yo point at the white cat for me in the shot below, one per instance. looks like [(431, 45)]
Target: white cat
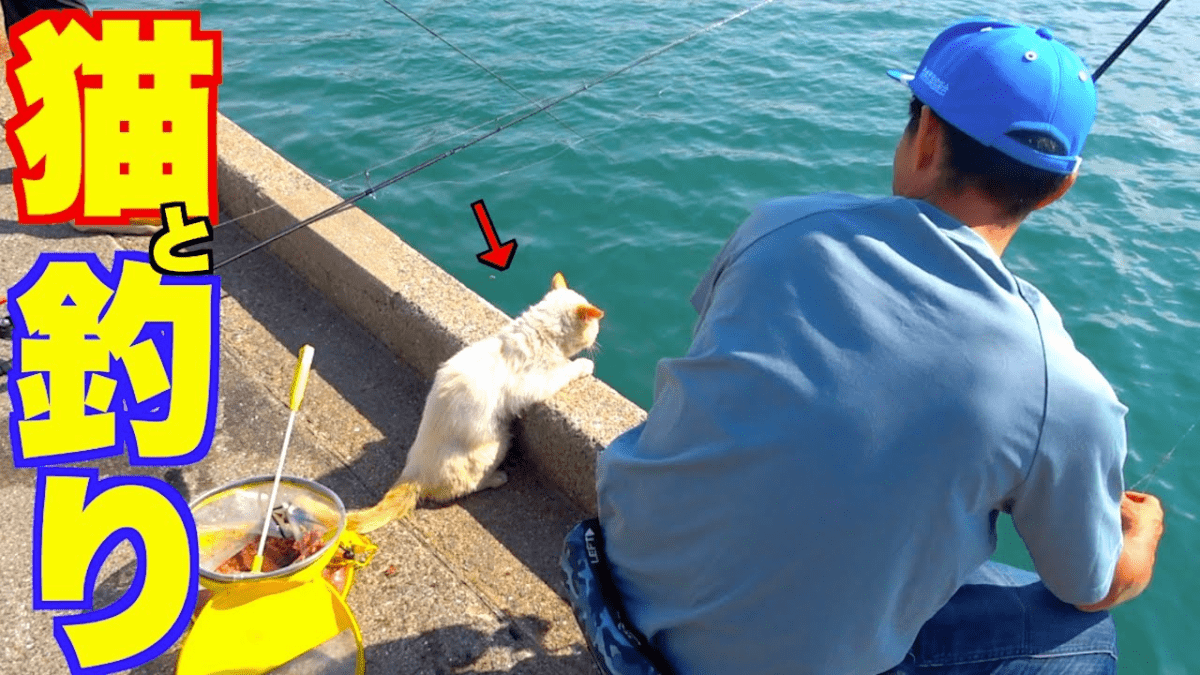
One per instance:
[(464, 431)]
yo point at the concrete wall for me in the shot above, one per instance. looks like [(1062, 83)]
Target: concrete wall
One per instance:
[(420, 312)]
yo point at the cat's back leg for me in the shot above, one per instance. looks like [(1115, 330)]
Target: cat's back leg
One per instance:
[(465, 472), (493, 480)]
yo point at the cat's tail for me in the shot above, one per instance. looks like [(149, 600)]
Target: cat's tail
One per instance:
[(397, 503)]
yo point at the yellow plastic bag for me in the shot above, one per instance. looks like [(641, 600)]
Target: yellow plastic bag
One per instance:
[(289, 621), (251, 627)]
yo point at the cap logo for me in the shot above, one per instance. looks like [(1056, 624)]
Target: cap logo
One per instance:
[(935, 83)]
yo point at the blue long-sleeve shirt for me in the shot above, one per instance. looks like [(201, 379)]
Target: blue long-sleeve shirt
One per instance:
[(868, 386)]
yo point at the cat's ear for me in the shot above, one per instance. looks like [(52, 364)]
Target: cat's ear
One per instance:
[(586, 312), (558, 282)]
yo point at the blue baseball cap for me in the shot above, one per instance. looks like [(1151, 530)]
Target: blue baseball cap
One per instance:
[(990, 78)]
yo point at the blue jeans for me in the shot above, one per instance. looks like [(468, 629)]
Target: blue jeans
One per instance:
[(1004, 621)]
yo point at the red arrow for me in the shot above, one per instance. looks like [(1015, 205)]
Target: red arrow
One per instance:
[(498, 255)]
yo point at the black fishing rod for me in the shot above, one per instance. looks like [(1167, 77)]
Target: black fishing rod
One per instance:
[(1129, 39), (347, 203)]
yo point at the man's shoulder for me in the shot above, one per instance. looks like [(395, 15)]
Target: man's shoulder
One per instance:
[(812, 212), (786, 210), (801, 206)]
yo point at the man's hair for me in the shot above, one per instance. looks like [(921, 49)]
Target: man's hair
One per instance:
[(1016, 187)]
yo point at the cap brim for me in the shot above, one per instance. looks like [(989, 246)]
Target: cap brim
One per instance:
[(901, 76)]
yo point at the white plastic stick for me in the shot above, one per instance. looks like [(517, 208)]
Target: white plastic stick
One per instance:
[(299, 381)]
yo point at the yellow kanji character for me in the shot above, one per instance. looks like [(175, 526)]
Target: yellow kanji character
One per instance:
[(146, 131), (79, 519), (72, 321)]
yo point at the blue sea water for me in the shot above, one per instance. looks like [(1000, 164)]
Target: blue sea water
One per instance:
[(634, 186)]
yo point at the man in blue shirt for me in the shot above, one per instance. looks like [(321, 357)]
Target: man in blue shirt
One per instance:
[(816, 487)]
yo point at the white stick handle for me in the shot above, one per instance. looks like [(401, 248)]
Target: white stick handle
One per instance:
[(262, 540), (299, 380)]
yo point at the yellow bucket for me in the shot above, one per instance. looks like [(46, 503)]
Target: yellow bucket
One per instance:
[(286, 620)]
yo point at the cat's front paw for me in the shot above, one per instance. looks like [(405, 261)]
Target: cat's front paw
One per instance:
[(583, 367)]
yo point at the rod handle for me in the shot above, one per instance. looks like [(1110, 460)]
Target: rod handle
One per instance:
[(300, 380)]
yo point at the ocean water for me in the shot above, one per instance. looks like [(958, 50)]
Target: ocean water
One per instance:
[(633, 185)]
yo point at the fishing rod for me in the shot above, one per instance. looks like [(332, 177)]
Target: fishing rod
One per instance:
[(350, 201), (1129, 39)]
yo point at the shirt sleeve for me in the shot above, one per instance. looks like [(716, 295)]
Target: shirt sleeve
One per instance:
[(1068, 509)]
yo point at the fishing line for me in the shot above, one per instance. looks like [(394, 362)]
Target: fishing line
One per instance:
[(1096, 76), (487, 70), (1165, 457), (349, 202), (504, 172)]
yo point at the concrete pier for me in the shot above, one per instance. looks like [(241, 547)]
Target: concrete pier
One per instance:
[(469, 588)]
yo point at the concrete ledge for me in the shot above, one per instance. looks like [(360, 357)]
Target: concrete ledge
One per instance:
[(419, 311)]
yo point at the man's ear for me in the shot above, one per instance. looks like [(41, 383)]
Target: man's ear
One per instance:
[(1062, 190), (924, 156), (928, 141)]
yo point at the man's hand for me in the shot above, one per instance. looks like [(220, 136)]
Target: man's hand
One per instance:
[(1142, 525), (1141, 515)]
